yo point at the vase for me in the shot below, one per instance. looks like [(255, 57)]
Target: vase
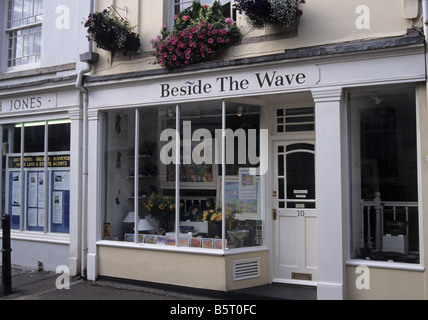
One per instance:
[(214, 230), (164, 227)]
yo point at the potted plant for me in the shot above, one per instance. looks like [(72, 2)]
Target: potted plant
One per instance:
[(214, 218), (261, 13), (200, 34), (111, 33)]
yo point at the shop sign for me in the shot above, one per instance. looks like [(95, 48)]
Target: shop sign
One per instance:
[(28, 103), (242, 83), (56, 161)]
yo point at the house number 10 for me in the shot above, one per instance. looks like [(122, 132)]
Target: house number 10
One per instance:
[(300, 213)]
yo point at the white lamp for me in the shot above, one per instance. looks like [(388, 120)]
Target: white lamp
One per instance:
[(129, 218), (144, 225)]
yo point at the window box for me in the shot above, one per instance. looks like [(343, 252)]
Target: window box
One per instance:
[(200, 34), (112, 33), (262, 13)]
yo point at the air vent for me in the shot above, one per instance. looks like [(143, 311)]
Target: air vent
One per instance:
[(246, 269)]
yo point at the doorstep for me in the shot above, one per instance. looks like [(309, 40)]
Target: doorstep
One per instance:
[(277, 291)]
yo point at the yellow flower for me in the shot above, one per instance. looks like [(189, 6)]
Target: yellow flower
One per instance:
[(161, 207), (206, 213)]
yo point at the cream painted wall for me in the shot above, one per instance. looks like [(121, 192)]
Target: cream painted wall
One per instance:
[(323, 22), (177, 268), (387, 285)]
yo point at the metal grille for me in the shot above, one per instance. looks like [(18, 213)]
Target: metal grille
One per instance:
[(246, 269)]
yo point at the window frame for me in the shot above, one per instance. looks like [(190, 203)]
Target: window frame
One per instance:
[(15, 29), (356, 262), (47, 172), (176, 110)]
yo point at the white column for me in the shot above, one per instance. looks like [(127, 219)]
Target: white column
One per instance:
[(93, 228), (75, 190), (329, 192)]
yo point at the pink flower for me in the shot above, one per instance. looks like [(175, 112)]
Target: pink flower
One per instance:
[(230, 21), (210, 40)]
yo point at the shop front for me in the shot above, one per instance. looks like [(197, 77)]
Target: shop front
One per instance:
[(40, 155), (265, 170)]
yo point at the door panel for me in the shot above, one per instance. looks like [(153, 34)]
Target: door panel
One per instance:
[(295, 227)]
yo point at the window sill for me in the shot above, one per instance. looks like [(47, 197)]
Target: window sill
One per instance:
[(35, 70), (62, 239), (386, 265), (173, 249)]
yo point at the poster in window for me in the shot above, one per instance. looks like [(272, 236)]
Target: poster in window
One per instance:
[(16, 188), (57, 209), (32, 217), (62, 180), (32, 190), (248, 208), (247, 184)]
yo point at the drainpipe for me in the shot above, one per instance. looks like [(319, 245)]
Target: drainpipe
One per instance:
[(89, 58), (425, 22), (425, 17)]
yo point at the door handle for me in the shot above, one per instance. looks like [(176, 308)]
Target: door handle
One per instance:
[(274, 214)]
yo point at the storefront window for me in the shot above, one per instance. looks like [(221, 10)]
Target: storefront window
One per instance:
[(385, 212), (180, 184), (37, 193), (136, 194), (242, 185)]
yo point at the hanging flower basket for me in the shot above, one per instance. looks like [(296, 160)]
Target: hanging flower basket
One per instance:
[(261, 13), (111, 33), (200, 34)]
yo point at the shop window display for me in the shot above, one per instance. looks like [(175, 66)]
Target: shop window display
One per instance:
[(37, 193), (193, 205), (385, 211)]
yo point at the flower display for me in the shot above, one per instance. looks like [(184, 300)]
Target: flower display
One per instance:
[(216, 215), (161, 208), (111, 33), (213, 215), (200, 33), (265, 12)]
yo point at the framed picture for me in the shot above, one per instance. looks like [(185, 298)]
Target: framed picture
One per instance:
[(196, 242), (193, 175), (207, 243), (106, 230), (243, 193)]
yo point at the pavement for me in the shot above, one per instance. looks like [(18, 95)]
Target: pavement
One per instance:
[(28, 284), (42, 285)]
